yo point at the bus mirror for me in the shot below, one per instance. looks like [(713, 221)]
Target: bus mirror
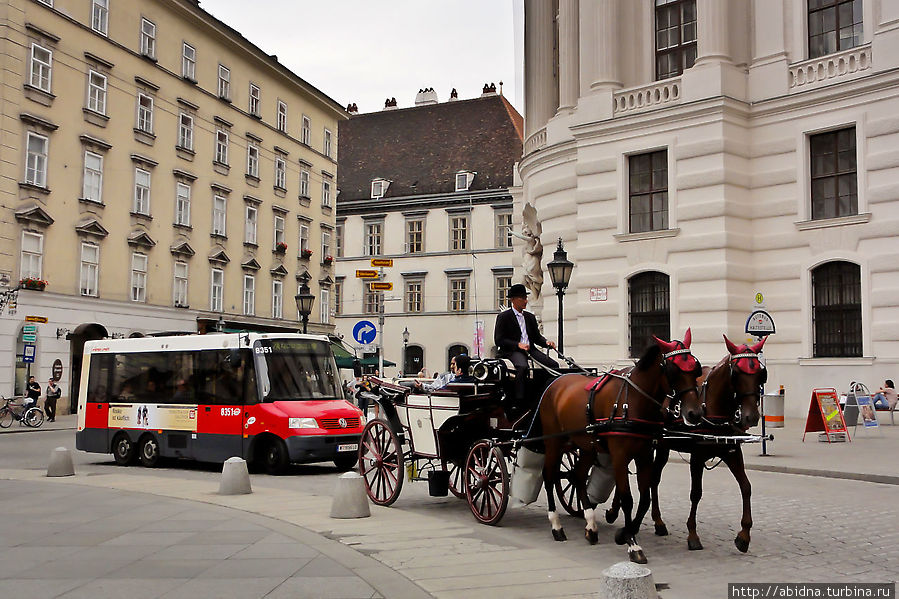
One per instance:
[(357, 368)]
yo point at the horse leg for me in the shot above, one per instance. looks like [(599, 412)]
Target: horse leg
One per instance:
[(658, 465), (612, 512), (697, 464), (620, 460), (734, 461), (581, 472), (645, 476), (551, 461)]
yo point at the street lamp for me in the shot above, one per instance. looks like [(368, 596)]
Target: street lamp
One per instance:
[(405, 357), (304, 301), (560, 268)]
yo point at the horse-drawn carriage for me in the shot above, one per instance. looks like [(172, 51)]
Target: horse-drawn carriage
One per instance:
[(463, 437)]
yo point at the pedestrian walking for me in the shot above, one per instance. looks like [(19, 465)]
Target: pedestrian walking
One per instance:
[(53, 393)]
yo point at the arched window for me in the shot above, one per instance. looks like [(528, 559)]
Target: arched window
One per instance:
[(837, 310), (649, 312), (414, 360), (453, 351)]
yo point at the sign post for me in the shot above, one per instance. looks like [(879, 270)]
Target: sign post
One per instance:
[(760, 324), (380, 287)]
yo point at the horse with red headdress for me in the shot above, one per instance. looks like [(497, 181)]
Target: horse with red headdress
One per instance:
[(620, 413), (730, 393)]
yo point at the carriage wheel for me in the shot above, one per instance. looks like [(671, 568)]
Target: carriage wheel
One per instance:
[(456, 479), (566, 490), (486, 482), (381, 463)]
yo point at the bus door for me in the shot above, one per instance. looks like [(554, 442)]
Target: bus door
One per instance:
[(224, 377)]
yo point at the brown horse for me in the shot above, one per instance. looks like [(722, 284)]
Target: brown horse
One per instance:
[(622, 417), (730, 398)]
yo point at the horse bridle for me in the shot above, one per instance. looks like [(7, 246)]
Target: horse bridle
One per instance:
[(738, 413), (674, 403)]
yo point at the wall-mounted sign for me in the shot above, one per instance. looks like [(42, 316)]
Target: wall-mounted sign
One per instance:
[(382, 262), (760, 323), (28, 353), (366, 274), (599, 294), (57, 370), (29, 328), (381, 286), (29, 337), (41, 319)]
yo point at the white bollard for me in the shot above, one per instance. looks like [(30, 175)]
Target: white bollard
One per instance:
[(627, 580), (61, 463), (350, 499), (235, 478)]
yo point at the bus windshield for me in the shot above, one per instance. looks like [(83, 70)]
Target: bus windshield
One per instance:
[(296, 369)]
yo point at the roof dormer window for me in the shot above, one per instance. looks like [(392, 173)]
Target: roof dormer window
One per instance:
[(379, 188), (463, 180)]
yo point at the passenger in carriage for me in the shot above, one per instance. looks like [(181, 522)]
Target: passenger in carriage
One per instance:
[(459, 368), (516, 335)]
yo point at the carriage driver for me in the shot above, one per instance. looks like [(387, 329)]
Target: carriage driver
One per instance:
[(516, 335)]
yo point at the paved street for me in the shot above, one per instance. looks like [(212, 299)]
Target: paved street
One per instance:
[(807, 528)]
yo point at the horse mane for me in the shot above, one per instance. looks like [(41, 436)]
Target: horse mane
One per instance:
[(650, 357)]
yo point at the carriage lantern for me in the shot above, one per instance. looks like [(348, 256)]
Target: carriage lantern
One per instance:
[(304, 301), (560, 268)]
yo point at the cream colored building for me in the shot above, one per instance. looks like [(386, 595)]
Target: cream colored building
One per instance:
[(153, 160), (695, 153), (428, 187)]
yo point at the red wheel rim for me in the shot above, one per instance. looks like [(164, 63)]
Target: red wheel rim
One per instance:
[(456, 480), (487, 483), (381, 463)]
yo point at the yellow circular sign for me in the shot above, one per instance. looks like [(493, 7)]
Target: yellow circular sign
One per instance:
[(759, 298)]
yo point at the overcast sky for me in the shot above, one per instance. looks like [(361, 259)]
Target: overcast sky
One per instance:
[(365, 51)]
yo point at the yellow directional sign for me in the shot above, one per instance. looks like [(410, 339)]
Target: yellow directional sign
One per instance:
[(42, 319), (381, 262), (366, 274), (381, 286)]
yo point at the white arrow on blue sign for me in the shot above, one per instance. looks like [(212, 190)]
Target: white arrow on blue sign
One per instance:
[(364, 332)]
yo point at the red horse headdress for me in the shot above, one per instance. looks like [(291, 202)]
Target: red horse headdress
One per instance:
[(745, 358), (679, 352)]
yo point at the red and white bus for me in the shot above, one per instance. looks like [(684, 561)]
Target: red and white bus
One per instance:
[(271, 399)]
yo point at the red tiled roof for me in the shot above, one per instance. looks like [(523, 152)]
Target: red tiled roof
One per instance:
[(420, 149)]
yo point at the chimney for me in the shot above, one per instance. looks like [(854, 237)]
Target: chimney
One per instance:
[(390, 104), (352, 108), (454, 95), (426, 96), (489, 90)]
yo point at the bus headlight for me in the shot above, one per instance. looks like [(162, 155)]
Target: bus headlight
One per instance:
[(302, 423)]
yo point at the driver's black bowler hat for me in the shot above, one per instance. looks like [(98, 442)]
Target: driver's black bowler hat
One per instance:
[(518, 290)]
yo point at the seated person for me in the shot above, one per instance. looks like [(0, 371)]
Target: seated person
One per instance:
[(458, 374), (885, 398)]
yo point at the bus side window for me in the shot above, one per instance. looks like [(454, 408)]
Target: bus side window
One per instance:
[(99, 378), (250, 391)]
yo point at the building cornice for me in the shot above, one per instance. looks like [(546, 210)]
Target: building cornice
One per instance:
[(422, 202)]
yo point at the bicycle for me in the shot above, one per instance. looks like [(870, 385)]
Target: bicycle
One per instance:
[(33, 416)]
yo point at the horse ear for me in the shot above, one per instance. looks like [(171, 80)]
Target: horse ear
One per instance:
[(758, 346), (733, 349), (666, 346), (688, 337)]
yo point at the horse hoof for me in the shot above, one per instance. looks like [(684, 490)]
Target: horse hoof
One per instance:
[(638, 557), (620, 537), (592, 536), (742, 545), (661, 530), (559, 535), (694, 545), (611, 516)]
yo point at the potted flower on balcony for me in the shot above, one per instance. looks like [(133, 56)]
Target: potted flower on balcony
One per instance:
[(33, 283), (280, 247), (305, 253), (328, 260)]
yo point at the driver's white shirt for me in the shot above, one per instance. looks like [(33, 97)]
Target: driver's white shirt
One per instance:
[(521, 324)]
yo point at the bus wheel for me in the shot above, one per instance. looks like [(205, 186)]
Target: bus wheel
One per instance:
[(123, 449), (345, 462), (149, 451), (274, 457)]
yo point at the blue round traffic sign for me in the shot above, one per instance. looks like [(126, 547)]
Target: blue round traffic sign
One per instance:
[(364, 332)]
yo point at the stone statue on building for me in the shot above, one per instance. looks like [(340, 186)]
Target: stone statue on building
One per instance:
[(533, 250)]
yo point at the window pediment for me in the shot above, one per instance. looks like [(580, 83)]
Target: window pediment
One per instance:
[(38, 122), (182, 249), (94, 143), (279, 271), (33, 214), (91, 226), (218, 255), (250, 264), (140, 238)]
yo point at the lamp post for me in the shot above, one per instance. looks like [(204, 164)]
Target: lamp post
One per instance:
[(560, 268), (304, 301), (405, 344)]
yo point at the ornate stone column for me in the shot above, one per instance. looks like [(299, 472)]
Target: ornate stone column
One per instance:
[(569, 76), (607, 22), (540, 91), (712, 30)]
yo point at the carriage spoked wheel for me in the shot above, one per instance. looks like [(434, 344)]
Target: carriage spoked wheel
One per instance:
[(381, 463), (486, 479), (566, 490), (456, 479)]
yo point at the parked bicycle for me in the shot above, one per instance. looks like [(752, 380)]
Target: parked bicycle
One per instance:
[(33, 416)]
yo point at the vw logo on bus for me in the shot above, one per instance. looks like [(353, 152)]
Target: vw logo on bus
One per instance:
[(342, 422)]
